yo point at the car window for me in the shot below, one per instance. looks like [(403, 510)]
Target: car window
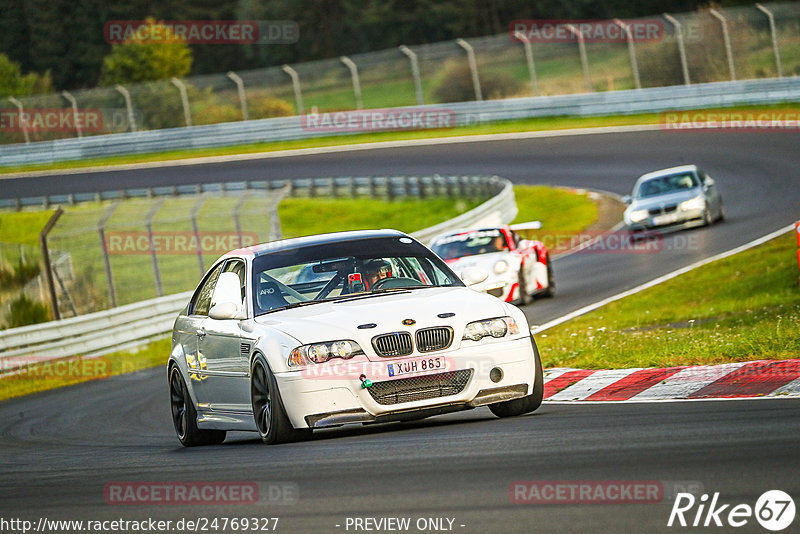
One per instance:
[(470, 244), (666, 184), (202, 298)]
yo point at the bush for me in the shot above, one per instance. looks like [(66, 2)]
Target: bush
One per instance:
[(21, 274), (456, 84), (268, 106), (24, 311)]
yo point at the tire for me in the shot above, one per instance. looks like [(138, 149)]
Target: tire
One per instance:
[(551, 281), (529, 403), (721, 217), (707, 217), (270, 416), (525, 298), (184, 415)]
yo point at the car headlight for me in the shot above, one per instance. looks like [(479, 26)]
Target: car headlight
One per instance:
[(501, 266), (696, 203), (498, 327), (638, 215), (322, 352)]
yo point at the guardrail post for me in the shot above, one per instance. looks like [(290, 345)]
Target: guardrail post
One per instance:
[(298, 95), (48, 268), (153, 255), (74, 104), (631, 52), (473, 67), (526, 43), (412, 57), (242, 94), (196, 231), (726, 38), (101, 231), (681, 47), (187, 114), (356, 83), (774, 35), (128, 105), (23, 123), (587, 78)]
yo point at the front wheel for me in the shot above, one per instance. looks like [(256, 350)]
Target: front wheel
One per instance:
[(525, 297), (184, 415), (551, 281), (530, 402), (270, 417)]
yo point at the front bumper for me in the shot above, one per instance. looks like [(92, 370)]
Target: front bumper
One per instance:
[(677, 220), (337, 397)]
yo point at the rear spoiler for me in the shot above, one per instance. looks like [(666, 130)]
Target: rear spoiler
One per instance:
[(533, 225)]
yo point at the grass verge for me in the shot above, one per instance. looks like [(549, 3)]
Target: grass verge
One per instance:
[(513, 126), (744, 307)]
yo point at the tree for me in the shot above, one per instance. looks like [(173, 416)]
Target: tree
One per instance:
[(141, 60), (14, 83)]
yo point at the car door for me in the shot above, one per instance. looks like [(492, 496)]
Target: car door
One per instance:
[(188, 328), (226, 382)]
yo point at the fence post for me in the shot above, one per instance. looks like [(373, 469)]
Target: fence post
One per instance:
[(153, 255), (298, 95), (127, 96), (242, 94), (631, 52), (48, 268), (774, 34), (526, 43), (727, 40), (74, 104), (22, 121), (681, 47), (196, 230), (412, 57), (101, 230), (473, 67), (187, 114), (356, 83), (587, 78), (236, 222)]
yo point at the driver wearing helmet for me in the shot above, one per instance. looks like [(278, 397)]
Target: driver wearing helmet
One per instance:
[(376, 270)]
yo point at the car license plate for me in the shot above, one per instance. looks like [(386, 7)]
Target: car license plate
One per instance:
[(665, 219), (416, 366)]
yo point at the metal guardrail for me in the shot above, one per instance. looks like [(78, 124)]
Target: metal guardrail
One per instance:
[(134, 324), (651, 100)]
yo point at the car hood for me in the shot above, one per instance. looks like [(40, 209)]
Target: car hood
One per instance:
[(668, 199), (329, 321)]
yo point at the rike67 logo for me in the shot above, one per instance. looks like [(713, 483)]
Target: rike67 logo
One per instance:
[(774, 510)]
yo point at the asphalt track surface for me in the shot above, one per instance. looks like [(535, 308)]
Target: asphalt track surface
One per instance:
[(60, 449)]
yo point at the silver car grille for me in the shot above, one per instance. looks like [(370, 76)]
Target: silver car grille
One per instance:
[(420, 387), (663, 209), (393, 344), (436, 338)]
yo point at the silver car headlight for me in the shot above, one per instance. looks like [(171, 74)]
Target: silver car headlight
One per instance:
[(638, 215), (498, 327), (501, 267), (696, 203), (322, 352)]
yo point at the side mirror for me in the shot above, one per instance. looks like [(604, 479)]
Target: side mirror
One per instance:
[(626, 199), (225, 310), (474, 275)]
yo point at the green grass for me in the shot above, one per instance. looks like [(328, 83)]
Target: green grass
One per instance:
[(50, 375), (522, 125), (561, 211), (741, 308)]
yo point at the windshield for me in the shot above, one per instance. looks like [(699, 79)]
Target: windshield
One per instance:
[(666, 184), (335, 271), (470, 244)]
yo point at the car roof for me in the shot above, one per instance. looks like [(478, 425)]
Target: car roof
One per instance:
[(311, 240), (667, 172)]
